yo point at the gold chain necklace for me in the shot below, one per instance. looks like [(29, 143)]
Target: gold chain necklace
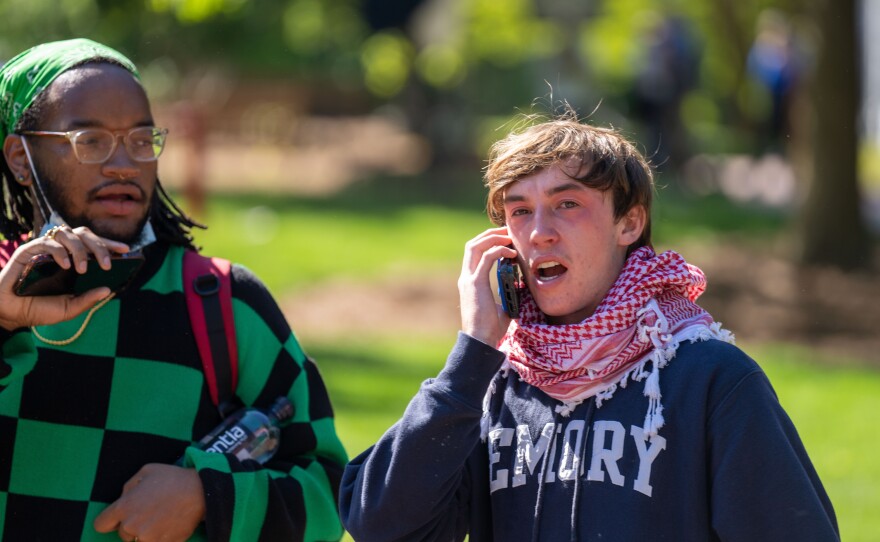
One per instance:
[(82, 328)]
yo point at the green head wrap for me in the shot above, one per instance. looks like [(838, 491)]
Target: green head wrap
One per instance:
[(28, 73)]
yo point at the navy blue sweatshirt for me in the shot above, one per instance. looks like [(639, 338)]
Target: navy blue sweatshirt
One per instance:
[(728, 464)]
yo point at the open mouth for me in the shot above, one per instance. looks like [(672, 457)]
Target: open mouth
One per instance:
[(550, 270), (119, 199), (116, 191)]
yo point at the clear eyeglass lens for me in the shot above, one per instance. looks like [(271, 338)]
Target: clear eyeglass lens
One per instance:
[(93, 146), (145, 143), (96, 145)]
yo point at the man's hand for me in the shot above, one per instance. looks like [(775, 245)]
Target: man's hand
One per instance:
[(68, 247), (481, 317), (160, 502)]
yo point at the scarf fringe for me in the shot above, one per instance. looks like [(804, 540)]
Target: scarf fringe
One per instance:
[(665, 348)]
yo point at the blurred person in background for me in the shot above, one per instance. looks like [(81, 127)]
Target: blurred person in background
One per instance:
[(612, 408), (775, 64), (669, 71), (101, 393)]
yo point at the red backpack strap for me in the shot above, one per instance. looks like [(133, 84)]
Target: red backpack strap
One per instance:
[(6, 250), (208, 289), (7, 247)]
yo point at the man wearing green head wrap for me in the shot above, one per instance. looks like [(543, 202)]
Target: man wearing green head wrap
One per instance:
[(103, 391)]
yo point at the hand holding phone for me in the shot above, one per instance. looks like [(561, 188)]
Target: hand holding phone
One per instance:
[(478, 298), (42, 276), (508, 278)]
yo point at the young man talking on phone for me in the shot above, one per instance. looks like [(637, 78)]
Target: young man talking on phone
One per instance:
[(613, 408), (101, 393)]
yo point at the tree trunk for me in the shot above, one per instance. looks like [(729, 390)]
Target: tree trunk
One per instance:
[(833, 231)]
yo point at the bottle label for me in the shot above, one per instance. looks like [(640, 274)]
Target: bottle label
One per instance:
[(228, 440)]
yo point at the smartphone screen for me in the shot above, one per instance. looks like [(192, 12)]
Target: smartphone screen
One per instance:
[(508, 277), (43, 276)]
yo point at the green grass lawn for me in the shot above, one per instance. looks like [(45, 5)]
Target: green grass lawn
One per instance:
[(371, 381), (290, 244), (834, 409), (293, 242)]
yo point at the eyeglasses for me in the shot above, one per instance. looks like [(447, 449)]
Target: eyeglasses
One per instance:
[(97, 145)]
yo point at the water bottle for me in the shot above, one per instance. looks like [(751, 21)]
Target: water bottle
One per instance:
[(249, 433)]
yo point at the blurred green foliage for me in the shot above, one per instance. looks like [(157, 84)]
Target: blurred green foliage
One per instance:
[(495, 56)]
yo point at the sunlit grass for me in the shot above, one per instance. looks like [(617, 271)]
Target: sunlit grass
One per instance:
[(834, 409), (373, 379), (292, 245)]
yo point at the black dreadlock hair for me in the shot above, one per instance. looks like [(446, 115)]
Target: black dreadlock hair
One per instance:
[(170, 223)]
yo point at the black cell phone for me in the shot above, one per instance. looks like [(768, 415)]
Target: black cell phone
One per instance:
[(43, 276), (508, 278)]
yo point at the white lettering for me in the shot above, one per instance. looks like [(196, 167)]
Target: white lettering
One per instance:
[(529, 454), (538, 458), (504, 436), (228, 440), (608, 456), (570, 463), (551, 466), (646, 457)]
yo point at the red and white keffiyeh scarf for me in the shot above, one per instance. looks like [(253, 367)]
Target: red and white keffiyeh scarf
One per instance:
[(648, 311)]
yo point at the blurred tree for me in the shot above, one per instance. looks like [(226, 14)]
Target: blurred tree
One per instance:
[(833, 230)]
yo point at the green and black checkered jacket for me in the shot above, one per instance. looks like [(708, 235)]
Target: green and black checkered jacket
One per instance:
[(77, 421)]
